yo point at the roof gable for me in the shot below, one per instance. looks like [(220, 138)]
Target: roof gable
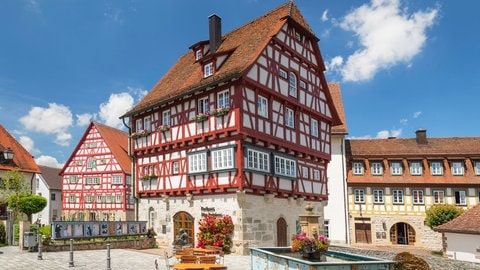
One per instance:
[(22, 160), (336, 94), (468, 222), (52, 177)]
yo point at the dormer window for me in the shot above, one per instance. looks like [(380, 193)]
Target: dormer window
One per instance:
[(208, 70), (198, 54)]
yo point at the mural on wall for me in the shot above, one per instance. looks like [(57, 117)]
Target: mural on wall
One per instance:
[(79, 229)]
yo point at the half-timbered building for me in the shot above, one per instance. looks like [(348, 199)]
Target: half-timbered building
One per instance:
[(240, 125), (392, 182), (96, 179)]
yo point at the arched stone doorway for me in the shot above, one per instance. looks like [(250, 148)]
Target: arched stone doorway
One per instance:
[(183, 220), (402, 234), (281, 232)]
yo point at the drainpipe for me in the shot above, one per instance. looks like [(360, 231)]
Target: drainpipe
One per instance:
[(345, 192), (132, 164)]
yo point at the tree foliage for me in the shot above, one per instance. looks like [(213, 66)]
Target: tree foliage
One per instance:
[(440, 214), (13, 182), (27, 203)]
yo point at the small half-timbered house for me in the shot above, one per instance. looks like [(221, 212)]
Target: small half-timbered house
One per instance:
[(96, 179), (240, 125)]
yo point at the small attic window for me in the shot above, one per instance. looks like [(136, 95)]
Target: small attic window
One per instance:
[(208, 70), (198, 54)]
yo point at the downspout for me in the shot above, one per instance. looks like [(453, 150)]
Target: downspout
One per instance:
[(132, 164), (345, 194)]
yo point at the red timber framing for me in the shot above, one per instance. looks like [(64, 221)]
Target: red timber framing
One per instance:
[(281, 149), (96, 180)]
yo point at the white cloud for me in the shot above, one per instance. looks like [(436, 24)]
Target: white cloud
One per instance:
[(325, 15), (55, 119), (84, 119), (385, 134), (48, 161), (116, 106), (335, 63), (28, 144), (416, 114), (387, 35), (404, 121)]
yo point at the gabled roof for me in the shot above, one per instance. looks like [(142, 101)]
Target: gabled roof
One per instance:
[(52, 176), (116, 140), (336, 94), (243, 45), (468, 222), (22, 159)]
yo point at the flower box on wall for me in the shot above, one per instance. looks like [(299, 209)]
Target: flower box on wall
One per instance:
[(139, 134), (200, 117), (220, 111), (148, 177), (163, 128)]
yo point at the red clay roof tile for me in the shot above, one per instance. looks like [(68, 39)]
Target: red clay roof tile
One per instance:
[(22, 159)]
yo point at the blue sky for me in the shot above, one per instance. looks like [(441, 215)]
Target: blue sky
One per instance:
[(403, 65)]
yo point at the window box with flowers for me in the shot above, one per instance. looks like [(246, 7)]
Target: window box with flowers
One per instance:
[(310, 247), (139, 134), (163, 128), (148, 177), (220, 111), (200, 117)]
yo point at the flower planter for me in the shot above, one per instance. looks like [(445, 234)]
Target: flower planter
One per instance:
[(200, 118)]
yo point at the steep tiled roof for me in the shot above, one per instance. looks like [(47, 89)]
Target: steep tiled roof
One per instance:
[(117, 141), (52, 177), (243, 45), (22, 158), (336, 94), (468, 222)]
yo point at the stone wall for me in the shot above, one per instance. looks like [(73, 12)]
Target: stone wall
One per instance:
[(142, 243)]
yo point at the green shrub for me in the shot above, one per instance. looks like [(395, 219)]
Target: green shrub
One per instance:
[(3, 234), (440, 214), (408, 261)]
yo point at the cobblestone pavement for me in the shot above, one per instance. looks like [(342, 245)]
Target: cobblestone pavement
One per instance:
[(434, 261)]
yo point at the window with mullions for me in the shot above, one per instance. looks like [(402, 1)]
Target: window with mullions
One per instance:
[(292, 85), (377, 168), (138, 125), (203, 105), (91, 162), (72, 179), (166, 118), (208, 70), (197, 162), (285, 166), (438, 197), (359, 195), (222, 159), (147, 123), (477, 167), (258, 160), (117, 179), (357, 168), (262, 106), (289, 118), (417, 196), (314, 127), (397, 196), (72, 199), (460, 197), (378, 196), (223, 99), (457, 167), (396, 168), (415, 168), (436, 168)]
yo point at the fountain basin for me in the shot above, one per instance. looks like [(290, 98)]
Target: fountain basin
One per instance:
[(281, 258)]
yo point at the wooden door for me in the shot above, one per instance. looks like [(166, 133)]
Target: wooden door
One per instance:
[(363, 233), (185, 221), (281, 232)]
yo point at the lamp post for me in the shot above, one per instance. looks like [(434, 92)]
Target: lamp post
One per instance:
[(7, 155)]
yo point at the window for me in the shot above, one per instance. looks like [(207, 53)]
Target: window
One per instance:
[(72, 179), (460, 197), (417, 196), (166, 118), (292, 90), (91, 163), (314, 127), (175, 167), (138, 125), (258, 160), (147, 123), (208, 70), (357, 168), (222, 159), (129, 180), (88, 198), (289, 118), (326, 228), (438, 197), (457, 168), (477, 167), (285, 166), (396, 168), (316, 175), (262, 106), (282, 73), (359, 195), (197, 162), (151, 217), (305, 172), (117, 179), (378, 196), (118, 199), (53, 196), (415, 168), (223, 99), (203, 105), (397, 196), (198, 54), (92, 180), (72, 199), (377, 168), (303, 85), (436, 168)]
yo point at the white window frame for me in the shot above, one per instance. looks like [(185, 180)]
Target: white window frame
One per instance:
[(377, 168), (285, 166), (438, 197), (175, 168), (91, 162), (198, 54), (222, 159), (282, 73), (314, 127), (147, 123), (418, 196), (461, 199), (117, 179), (302, 84), (166, 118), (88, 198), (359, 195), (357, 168), (203, 105), (316, 175), (477, 167), (378, 196), (292, 84), (397, 196), (305, 172), (258, 160), (138, 125), (208, 70), (72, 199), (415, 168), (72, 179), (436, 168), (223, 99), (197, 162), (118, 198), (396, 168), (289, 118), (262, 106), (457, 168)]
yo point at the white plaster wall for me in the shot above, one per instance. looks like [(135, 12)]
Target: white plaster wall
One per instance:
[(463, 247)]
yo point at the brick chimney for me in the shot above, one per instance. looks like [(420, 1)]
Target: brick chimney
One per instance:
[(421, 136), (215, 32)]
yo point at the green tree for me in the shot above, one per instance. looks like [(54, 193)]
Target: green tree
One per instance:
[(439, 214), (13, 182), (27, 203)]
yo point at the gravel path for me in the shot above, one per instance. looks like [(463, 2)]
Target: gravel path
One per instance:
[(435, 262)]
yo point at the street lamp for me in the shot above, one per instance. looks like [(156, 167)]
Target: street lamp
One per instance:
[(7, 155)]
